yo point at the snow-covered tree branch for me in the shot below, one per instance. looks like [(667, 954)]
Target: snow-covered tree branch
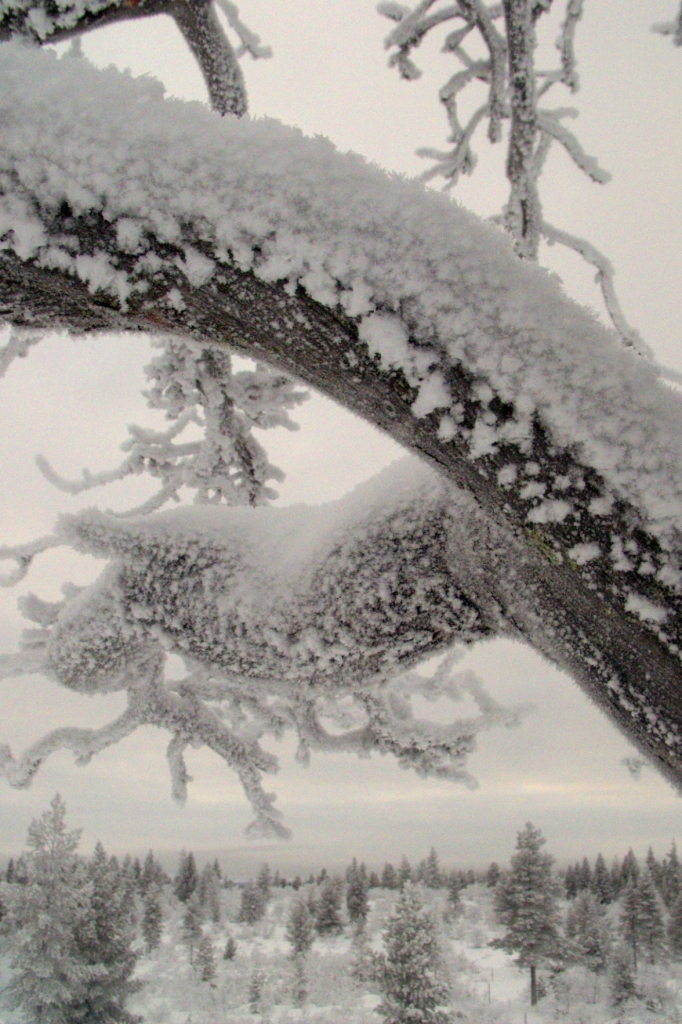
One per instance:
[(495, 45), (197, 20), (559, 518)]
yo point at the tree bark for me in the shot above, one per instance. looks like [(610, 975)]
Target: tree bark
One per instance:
[(580, 626)]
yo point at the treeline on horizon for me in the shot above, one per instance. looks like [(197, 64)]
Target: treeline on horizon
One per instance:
[(607, 882)]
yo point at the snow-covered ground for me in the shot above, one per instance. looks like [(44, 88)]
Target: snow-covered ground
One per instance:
[(487, 987)]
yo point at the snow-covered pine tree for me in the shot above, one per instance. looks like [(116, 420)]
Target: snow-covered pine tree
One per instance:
[(455, 886), (187, 877), (671, 877), (588, 932), (413, 982), (230, 951), (622, 980), (357, 902), (601, 880), (492, 875), (674, 931), (526, 903), (105, 942), (209, 892), (300, 933), (404, 872), (389, 877), (328, 919), (263, 884), (153, 874), (430, 871), (256, 986), (252, 905), (191, 924), (49, 975), (204, 960), (152, 918), (641, 920), (630, 869)]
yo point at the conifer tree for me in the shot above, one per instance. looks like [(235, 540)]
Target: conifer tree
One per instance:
[(586, 927), (526, 904), (209, 893), (641, 920), (149, 874), (191, 924), (675, 929), (252, 905), (404, 872), (412, 980), (187, 878), (671, 880), (601, 880), (230, 951), (622, 980), (9, 873), (264, 882), (431, 873), (492, 875), (152, 919), (630, 869), (455, 886), (51, 979), (205, 959), (300, 933), (328, 908), (389, 877), (357, 902), (104, 942), (256, 985), (570, 883)]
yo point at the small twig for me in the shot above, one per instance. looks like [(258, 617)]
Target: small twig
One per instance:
[(604, 277)]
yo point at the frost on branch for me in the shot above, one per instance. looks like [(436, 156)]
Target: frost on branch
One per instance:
[(494, 44), (302, 619), (196, 387), (48, 21), (401, 306)]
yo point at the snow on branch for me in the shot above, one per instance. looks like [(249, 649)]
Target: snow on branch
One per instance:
[(401, 306), (515, 91), (196, 386), (44, 21), (264, 612)]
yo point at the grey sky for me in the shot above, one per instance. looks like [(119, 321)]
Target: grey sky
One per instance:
[(72, 400)]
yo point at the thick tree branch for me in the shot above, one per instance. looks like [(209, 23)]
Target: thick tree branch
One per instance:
[(585, 569), (50, 22)]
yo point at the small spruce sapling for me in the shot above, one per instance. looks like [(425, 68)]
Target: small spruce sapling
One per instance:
[(413, 982), (205, 959)]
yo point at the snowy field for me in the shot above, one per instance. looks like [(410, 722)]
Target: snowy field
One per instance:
[(486, 986)]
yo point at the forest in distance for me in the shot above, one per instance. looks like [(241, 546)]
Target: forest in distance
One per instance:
[(105, 940)]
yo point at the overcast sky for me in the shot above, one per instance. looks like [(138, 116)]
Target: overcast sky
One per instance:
[(562, 768)]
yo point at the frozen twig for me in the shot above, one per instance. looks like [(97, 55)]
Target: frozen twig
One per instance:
[(604, 277), (250, 42), (84, 743), (18, 346)]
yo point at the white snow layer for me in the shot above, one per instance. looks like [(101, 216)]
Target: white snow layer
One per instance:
[(432, 285)]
